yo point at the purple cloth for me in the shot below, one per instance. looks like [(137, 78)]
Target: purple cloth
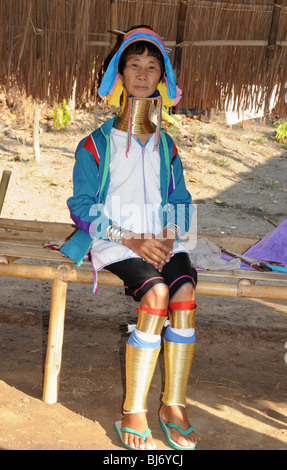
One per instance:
[(273, 247)]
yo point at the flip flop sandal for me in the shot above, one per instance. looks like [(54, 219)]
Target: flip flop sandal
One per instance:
[(166, 428), (120, 430)]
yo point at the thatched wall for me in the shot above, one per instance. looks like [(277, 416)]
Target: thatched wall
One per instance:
[(46, 45), (243, 70)]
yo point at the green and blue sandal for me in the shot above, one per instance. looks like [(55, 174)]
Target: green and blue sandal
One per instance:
[(166, 428), (120, 430)]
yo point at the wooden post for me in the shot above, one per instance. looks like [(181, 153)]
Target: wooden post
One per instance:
[(272, 40), (72, 101), (3, 186), (36, 132), (272, 51), (55, 341), (182, 14), (114, 21)]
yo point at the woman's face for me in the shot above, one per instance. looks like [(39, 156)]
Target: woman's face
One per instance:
[(141, 75)]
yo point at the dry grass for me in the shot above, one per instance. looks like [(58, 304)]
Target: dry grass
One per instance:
[(46, 47)]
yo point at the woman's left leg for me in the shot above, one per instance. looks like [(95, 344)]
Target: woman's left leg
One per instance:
[(179, 345)]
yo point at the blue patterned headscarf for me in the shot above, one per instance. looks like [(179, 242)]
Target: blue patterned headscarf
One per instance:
[(111, 86)]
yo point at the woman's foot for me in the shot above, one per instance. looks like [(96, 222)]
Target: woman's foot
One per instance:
[(137, 422), (177, 415)]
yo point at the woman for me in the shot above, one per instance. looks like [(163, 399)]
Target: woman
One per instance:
[(131, 205)]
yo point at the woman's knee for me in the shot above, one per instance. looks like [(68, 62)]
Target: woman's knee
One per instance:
[(157, 297), (185, 293)]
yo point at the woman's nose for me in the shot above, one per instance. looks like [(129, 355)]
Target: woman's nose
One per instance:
[(142, 74)]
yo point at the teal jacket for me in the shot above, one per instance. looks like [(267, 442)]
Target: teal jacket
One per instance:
[(91, 178)]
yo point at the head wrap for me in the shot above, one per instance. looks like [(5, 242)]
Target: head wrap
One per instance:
[(111, 86)]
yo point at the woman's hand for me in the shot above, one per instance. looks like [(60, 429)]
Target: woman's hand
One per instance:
[(156, 249)]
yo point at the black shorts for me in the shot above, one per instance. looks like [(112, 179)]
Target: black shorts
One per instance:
[(140, 277)]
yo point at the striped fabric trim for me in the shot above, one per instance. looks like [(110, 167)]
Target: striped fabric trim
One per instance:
[(171, 182), (175, 151), (158, 277), (182, 277), (91, 147)]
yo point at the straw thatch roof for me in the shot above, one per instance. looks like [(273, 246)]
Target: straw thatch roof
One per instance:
[(220, 50)]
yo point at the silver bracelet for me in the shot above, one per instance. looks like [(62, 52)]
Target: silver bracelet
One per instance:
[(174, 228), (115, 233)]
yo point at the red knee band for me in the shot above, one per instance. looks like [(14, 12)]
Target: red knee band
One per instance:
[(160, 312), (182, 305)]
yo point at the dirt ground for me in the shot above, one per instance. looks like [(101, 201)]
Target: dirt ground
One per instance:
[(237, 389)]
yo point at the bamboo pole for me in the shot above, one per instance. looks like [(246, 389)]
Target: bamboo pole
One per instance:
[(4, 186), (239, 290), (85, 276), (216, 288), (55, 342), (28, 271)]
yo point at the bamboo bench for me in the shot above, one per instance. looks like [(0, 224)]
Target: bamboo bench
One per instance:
[(22, 255)]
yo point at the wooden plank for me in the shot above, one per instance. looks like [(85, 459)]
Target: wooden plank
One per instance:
[(230, 42), (42, 231), (31, 250), (99, 43), (22, 228), (27, 251), (208, 43), (47, 231)]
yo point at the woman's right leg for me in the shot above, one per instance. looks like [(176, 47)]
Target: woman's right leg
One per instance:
[(142, 349)]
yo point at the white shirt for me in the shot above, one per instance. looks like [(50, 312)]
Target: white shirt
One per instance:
[(134, 199)]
